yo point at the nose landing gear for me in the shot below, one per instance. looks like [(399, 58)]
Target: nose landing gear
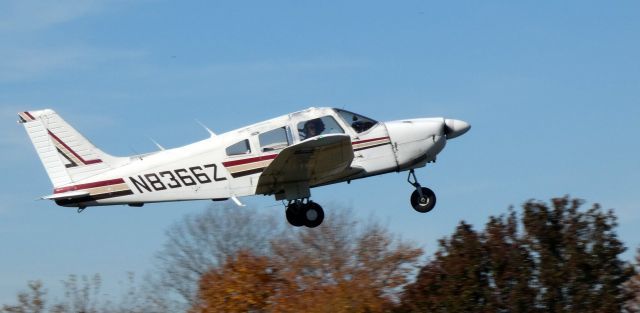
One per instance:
[(304, 213), (423, 199)]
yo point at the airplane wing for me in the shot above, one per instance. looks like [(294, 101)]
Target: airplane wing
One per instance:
[(311, 162)]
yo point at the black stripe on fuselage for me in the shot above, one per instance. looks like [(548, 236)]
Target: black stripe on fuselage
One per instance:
[(248, 172), (91, 198)]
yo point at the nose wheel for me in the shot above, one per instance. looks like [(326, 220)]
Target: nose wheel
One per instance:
[(423, 199), (300, 213)]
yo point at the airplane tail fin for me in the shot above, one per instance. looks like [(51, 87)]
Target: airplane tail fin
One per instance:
[(66, 155)]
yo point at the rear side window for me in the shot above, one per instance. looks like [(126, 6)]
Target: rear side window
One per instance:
[(275, 139), (239, 148)]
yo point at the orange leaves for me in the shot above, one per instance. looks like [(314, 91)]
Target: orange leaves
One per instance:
[(244, 283), (338, 267)]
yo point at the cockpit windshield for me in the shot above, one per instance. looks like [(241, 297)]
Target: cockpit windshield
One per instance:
[(358, 122)]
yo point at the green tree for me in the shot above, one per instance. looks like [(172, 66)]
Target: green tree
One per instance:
[(577, 257), (562, 260), (456, 279), (510, 266)]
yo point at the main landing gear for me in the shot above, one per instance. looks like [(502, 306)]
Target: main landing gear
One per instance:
[(422, 199), (304, 213)]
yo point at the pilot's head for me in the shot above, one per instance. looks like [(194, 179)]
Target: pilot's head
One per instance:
[(313, 127)]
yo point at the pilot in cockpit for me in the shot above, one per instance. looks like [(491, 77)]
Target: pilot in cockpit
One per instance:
[(312, 128)]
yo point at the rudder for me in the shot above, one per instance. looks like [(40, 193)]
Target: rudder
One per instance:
[(67, 156)]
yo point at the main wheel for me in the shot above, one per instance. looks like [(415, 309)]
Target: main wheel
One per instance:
[(294, 214), (425, 203), (313, 214)]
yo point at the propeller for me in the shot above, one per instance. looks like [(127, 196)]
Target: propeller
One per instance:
[(454, 128)]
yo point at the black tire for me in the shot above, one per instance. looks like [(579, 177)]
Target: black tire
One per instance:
[(424, 204), (294, 216), (313, 214)]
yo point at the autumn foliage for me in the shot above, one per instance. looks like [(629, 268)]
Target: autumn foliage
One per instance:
[(546, 257), (244, 283), (334, 268)]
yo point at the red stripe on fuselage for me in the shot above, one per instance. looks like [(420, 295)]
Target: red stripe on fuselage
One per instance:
[(85, 162), (89, 185), (273, 156), (368, 140), (249, 160)]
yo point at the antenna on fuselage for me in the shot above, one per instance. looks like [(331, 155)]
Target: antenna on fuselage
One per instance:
[(135, 153), (157, 144), (207, 129)]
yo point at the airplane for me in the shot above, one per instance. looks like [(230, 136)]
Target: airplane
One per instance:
[(284, 157)]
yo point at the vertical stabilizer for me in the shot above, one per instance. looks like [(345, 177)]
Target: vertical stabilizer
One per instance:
[(67, 156)]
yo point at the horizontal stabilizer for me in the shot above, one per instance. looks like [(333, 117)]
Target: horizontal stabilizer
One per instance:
[(67, 195)]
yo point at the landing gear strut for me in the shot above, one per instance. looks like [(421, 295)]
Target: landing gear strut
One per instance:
[(304, 213), (423, 199)]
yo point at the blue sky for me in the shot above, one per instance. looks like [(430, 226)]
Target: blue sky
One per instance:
[(552, 90)]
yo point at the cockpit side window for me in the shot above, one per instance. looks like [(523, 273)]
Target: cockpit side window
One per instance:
[(319, 126), (239, 148), (275, 139), (358, 122)]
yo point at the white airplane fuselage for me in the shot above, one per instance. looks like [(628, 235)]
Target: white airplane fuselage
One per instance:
[(230, 165)]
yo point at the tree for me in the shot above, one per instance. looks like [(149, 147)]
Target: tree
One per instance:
[(344, 265), (204, 241), (577, 257), (244, 283), (31, 301), (456, 280), (81, 295), (510, 266), (340, 266), (633, 286), (563, 260), (84, 294)]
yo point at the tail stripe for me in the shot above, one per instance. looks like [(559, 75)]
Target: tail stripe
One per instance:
[(68, 157), (98, 184), (69, 153), (97, 190), (71, 164), (48, 155), (26, 117)]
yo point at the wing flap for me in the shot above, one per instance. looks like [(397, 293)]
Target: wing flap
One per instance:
[(308, 163)]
